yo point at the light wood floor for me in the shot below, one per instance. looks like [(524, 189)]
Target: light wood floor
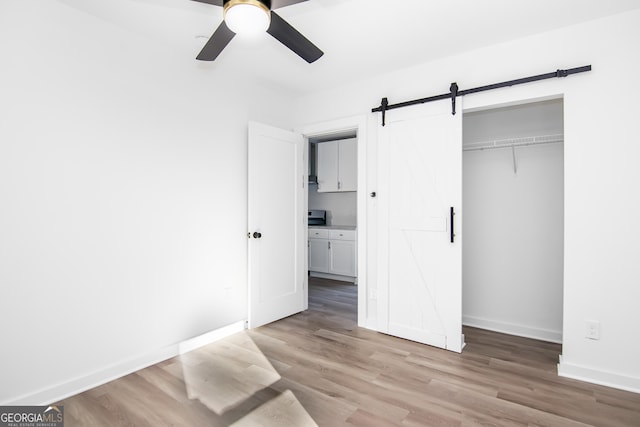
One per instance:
[(319, 368)]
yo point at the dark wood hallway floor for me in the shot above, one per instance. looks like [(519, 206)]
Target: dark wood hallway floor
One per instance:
[(319, 368)]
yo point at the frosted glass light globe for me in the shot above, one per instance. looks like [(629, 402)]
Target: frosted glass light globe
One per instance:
[(247, 19)]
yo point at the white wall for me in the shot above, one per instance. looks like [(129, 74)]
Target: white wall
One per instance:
[(123, 188), (123, 194), (512, 255), (516, 121), (340, 207), (601, 272)]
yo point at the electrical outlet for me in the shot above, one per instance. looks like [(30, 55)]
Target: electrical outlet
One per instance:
[(592, 330), (373, 294)]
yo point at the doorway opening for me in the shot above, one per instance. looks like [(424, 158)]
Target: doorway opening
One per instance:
[(347, 127), (513, 222), (333, 215)]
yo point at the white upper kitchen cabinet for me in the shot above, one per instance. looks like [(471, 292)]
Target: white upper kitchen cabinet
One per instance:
[(337, 166)]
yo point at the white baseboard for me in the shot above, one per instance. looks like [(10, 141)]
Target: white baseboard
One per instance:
[(78, 385), (595, 376), (513, 329), (209, 337)]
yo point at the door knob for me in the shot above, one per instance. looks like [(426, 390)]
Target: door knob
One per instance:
[(257, 235)]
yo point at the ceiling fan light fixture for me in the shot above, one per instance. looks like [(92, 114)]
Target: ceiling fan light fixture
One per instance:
[(247, 17)]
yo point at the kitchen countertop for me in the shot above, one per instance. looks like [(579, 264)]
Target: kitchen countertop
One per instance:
[(335, 227)]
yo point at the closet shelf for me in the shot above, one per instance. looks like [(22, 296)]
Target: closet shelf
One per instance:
[(513, 142)]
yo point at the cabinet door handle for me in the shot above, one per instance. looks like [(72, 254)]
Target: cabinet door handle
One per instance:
[(339, 185), (329, 243)]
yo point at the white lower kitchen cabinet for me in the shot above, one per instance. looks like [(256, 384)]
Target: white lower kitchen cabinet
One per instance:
[(342, 257), (319, 255), (333, 252)]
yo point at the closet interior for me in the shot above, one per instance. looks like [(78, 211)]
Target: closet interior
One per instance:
[(513, 219)]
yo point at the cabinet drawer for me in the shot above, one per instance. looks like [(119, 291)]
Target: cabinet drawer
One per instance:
[(318, 233), (342, 234)]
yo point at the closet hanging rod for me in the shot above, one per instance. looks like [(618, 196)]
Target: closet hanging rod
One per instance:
[(513, 142), (454, 92)]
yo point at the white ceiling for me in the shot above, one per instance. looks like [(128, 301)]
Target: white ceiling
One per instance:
[(359, 37)]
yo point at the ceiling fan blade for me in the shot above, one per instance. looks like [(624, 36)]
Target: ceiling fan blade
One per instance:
[(213, 2), (291, 38), (277, 4), (218, 41)]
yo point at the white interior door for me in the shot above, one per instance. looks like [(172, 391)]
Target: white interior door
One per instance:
[(420, 270), (277, 238)]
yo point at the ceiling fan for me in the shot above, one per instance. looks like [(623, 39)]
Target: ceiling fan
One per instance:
[(260, 14)]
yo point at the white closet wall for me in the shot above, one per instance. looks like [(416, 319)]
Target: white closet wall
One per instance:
[(513, 222)]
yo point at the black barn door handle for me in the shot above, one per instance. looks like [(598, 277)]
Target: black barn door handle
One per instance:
[(451, 214)]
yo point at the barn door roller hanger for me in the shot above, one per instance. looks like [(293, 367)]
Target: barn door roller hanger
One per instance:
[(454, 91)]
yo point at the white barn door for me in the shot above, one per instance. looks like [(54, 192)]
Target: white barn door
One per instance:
[(420, 269), (277, 231)]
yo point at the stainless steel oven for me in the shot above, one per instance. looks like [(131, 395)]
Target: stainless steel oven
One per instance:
[(317, 217)]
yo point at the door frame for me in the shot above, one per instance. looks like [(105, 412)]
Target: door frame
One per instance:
[(359, 125)]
